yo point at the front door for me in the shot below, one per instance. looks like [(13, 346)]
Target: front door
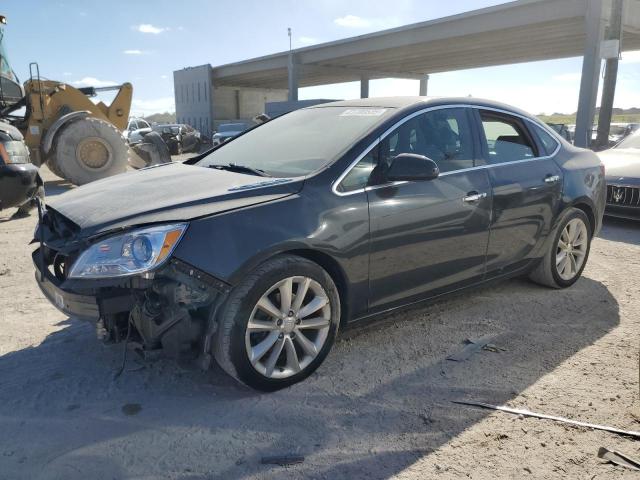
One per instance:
[(429, 236)]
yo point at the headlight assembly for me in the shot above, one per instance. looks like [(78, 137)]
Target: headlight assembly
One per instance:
[(130, 253)]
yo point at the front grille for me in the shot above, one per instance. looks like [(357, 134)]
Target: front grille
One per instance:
[(623, 196)]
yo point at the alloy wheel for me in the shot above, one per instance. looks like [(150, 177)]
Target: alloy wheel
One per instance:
[(288, 327), (572, 249)]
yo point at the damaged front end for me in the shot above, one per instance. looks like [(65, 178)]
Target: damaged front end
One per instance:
[(129, 284)]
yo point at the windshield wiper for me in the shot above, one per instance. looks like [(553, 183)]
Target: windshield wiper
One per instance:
[(234, 167)]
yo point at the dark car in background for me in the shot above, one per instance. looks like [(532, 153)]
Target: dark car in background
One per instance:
[(227, 131), (20, 181), (562, 129), (622, 166), (258, 252), (179, 138)]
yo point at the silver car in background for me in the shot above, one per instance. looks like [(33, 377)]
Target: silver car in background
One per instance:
[(227, 131), (622, 166)]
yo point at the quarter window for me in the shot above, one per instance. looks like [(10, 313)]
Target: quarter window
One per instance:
[(548, 142), (442, 135), (507, 139), (358, 176)]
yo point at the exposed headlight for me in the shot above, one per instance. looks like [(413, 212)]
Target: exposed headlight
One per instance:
[(130, 253)]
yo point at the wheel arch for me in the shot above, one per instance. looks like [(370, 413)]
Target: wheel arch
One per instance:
[(335, 271), (588, 208), (323, 259)]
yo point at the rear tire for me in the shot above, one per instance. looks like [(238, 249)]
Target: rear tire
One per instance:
[(89, 149), (293, 346), (568, 252)]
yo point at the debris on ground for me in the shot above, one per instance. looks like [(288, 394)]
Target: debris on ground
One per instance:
[(568, 421), (619, 458), (282, 460), (473, 346)]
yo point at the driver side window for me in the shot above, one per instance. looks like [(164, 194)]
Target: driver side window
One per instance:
[(445, 136)]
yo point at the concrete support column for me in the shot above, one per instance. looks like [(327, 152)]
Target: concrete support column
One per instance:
[(364, 87), (614, 32), (293, 70), (424, 83), (590, 73)]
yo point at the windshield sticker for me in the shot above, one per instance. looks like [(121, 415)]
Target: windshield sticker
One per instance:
[(363, 112)]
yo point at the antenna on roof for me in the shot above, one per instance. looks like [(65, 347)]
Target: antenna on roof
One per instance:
[(289, 33)]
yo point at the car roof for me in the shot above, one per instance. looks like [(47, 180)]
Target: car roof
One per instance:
[(413, 102)]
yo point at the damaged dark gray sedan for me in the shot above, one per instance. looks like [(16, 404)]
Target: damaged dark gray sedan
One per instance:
[(258, 251)]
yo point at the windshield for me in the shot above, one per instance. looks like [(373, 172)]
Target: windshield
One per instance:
[(298, 143), (632, 141), (5, 66), (617, 130)]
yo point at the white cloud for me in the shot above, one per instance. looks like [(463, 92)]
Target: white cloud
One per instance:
[(631, 57), (568, 77), (148, 28), (156, 105), (352, 21), (67, 74), (134, 52), (163, 77), (93, 82)]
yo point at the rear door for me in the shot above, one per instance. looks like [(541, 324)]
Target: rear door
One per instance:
[(526, 186), (429, 236)]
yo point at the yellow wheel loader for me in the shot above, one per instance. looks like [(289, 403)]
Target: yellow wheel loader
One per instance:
[(80, 141)]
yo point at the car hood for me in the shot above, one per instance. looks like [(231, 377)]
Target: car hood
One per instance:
[(165, 193), (622, 165)]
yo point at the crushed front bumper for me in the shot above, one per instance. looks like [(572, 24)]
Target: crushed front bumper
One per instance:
[(90, 302)]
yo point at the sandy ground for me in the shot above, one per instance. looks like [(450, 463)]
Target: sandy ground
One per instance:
[(380, 407)]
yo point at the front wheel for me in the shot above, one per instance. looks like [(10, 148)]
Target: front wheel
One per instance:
[(567, 254), (279, 324)]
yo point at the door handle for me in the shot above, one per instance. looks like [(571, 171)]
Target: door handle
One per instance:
[(474, 197), (551, 179)]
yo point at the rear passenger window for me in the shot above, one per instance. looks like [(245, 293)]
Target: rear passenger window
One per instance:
[(548, 142), (507, 138)]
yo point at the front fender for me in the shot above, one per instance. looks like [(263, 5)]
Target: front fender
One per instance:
[(230, 245)]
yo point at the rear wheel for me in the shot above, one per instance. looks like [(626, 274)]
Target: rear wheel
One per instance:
[(279, 324), (567, 255), (89, 149)]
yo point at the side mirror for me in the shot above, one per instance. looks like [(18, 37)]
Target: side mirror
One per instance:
[(412, 167)]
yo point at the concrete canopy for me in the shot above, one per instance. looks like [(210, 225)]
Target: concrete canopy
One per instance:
[(520, 31)]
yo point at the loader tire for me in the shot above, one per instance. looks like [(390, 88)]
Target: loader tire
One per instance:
[(53, 166), (89, 149)]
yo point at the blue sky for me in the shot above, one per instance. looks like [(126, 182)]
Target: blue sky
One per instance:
[(144, 41)]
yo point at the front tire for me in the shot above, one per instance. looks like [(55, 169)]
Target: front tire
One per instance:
[(568, 252), (279, 324)]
